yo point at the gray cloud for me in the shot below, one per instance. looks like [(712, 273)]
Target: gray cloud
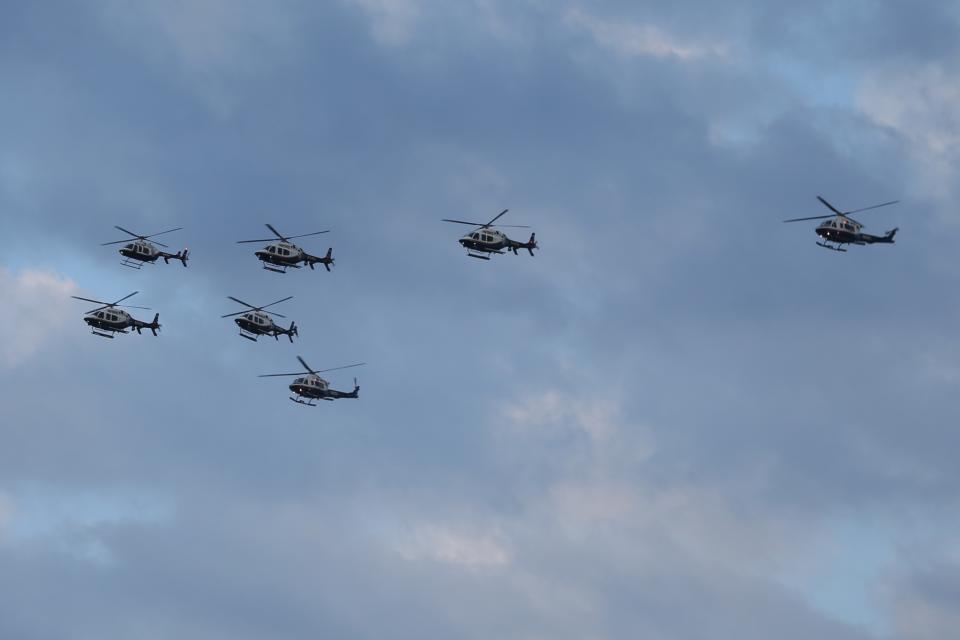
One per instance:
[(645, 430)]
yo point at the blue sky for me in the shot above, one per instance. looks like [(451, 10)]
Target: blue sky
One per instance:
[(681, 419)]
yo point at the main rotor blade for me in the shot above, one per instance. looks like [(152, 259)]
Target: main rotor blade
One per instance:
[(876, 206), (277, 302), (489, 224), (160, 233), (129, 233), (129, 295), (246, 304), (304, 235), (260, 240), (496, 217), (305, 365), (309, 370), (359, 364), (115, 306), (240, 313), (830, 206), (91, 300), (811, 218), (473, 224), (103, 244), (276, 233)]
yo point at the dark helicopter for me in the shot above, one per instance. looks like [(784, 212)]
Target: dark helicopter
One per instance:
[(258, 322), (280, 255), (110, 317), (141, 250), (487, 240), (840, 229), (311, 386)]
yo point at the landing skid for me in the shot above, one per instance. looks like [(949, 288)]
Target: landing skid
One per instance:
[(251, 338), (103, 335), (304, 402), (133, 264), (270, 267), (478, 256), (831, 247)]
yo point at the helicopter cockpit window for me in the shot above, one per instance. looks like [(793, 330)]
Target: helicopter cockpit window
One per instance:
[(100, 314), (475, 236)]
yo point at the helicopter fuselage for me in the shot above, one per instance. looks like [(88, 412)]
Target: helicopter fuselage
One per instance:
[(282, 254), (142, 251), (259, 323), (489, 241), (313, 387), (286, 254), (842, 230), (118, 321)]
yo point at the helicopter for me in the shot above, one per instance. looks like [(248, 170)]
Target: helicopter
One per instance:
[(140, 251), (839, 228), (280, 255), (312, 387), (258, 322), (109, 317), (486, 240)]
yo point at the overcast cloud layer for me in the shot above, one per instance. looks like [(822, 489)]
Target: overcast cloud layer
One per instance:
[(680, 420)]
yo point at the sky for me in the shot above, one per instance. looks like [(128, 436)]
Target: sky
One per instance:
[(681, 419)]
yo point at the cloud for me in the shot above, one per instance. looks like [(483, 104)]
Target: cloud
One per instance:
[(207, 36), (392, 21), (554, 410), (919, 105), (922, 601), (631, 39), (639, 432), (453, 545), (38, 307)]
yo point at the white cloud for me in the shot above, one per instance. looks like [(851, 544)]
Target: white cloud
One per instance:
[(553, 410), (38, 307), (919, 104), (631, 39), (453, 545), (208, 36), (392, 21), (212, 42)]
